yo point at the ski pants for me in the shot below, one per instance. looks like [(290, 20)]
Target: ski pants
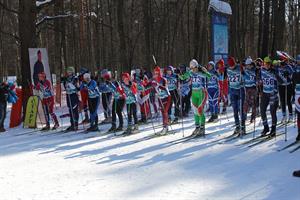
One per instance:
[(213, 95), (131, 112), (199, 98), (93, 108), (237, 98), (250, 102), (84, 100), (185, 104), (152, 101), (117, 109), (48, 107), (3, 107), (164, 107), (145, 109), (106, 97), (223, 85), (174, 99), (272, 100), (72, 103), (286, 95)]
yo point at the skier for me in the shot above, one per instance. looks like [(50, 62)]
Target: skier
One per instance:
[(84, 96), (71, 85), (199, 95), (106, 94), (142, 94), (160, 85), (91, 87), (285, 87), (223, 84), (129, 90), (117, 106), (4, 92), (44, 86), (172, 81), (184, 89), (213, 91), (269, 96), (250, 86), (237, 95), (296, 83)]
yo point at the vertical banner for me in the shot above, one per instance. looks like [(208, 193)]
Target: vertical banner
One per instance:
[(220, 37), (39, 63)]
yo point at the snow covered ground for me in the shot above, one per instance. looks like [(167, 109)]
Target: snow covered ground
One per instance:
[(75, 166)]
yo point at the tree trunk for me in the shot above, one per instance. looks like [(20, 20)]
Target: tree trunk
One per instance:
[(27, 17)]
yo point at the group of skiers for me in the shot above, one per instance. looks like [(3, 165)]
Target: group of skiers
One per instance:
[(246, 85), (250, 85)]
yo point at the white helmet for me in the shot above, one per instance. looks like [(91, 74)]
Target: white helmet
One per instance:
[(248, 61)]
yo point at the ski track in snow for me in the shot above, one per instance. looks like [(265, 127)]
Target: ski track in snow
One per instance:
[(77, 166)]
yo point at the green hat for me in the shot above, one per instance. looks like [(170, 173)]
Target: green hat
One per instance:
[(276, 62), (70, 69), (267, 59)]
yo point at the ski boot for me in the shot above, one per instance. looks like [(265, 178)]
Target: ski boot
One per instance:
[(56, 125), (175, 121), (196, 131), (265, 130), (85, 121), (213, 118), (290, 118), (296, 173), (93, 128), (135, 129), (128, 131), (223, 111), (298, 136), (2, 130), (201, 132), (112, 128), (237, 130), (164, 131), (120, 128), (46, 128), (283, 120), (273, 131)]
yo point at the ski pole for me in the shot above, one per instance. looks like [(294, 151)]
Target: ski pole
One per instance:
[(285, 126)]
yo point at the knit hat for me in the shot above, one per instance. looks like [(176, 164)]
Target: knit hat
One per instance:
[(267, 59), (83, 70), (157, 70), (194, 63), (276, 62), (87, 76), (231, 61), (170, 68), (70, 69), (248, 61), (125, 76), (211, 63)]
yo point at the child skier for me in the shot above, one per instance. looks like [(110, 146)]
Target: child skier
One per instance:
[(129, 90), (93, 100), (199, 95), (285, 87), (117, 107), (164, 98), (296, 82), (223, 84), (106, 94), (237, 95), (44, 86), (71, 85), (269, 96), (184, 89), (251, 89), (172, 81), (142, 94), (213, 92), (84, 96)]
